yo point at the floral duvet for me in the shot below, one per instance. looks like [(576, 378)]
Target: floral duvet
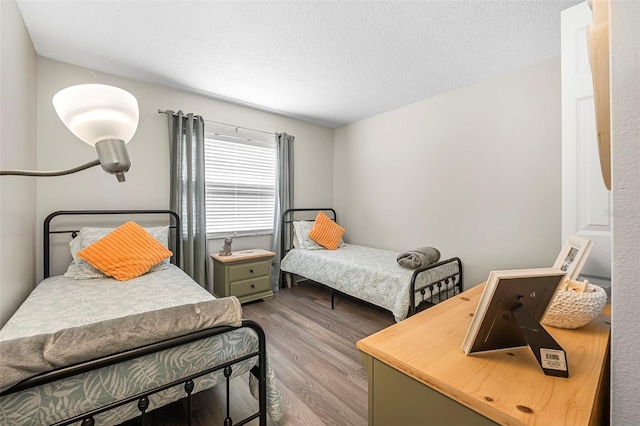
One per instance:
[(367, 273)]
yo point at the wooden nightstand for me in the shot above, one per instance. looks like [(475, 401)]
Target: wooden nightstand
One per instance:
[(245, 274)]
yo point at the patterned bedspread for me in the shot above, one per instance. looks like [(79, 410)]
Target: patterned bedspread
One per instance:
[(58, 303), (366, 273)]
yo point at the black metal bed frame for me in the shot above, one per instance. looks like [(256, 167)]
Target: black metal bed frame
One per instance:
[(452, 282), (87, 418)]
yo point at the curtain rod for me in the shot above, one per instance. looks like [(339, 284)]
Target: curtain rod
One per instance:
[(162, 111), (227, 125), (238, 137)]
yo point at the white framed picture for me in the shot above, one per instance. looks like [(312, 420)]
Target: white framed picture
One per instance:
[(573, 255)]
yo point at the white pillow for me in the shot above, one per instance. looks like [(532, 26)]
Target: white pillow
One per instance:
[(74, 247), (296, 242), (81, 269), (72, 270), (301, 230)]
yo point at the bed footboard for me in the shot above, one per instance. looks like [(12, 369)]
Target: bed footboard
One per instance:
[(434, 292), (87, 418)]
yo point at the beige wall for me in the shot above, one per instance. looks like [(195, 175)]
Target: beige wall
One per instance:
[(17, 151), (475, 172), (625, 125), (147, 184)]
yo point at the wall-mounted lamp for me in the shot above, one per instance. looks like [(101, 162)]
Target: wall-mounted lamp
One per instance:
[(102, 116)]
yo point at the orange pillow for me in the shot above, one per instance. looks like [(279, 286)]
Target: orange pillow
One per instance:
[(326, 232), (126, 253)]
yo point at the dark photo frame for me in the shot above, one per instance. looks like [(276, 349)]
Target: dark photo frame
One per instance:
[(509, 312)]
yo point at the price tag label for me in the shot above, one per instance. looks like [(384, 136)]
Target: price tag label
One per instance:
[(553, 359)]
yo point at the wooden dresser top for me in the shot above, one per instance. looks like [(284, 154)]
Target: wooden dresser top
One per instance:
[(506, 386)]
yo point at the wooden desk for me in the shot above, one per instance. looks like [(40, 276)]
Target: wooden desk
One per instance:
[(418, 374)]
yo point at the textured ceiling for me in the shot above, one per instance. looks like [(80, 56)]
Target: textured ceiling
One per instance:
[(327, 62)]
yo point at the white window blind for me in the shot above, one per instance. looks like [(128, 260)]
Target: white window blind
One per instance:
[(240, 179)]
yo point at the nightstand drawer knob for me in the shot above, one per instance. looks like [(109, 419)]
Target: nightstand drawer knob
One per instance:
[(251, 270), (253, 286)]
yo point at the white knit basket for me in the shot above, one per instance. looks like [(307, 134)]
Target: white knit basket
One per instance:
[(574, 310)]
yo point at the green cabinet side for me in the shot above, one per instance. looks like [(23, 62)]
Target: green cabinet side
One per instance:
[(397, 399)]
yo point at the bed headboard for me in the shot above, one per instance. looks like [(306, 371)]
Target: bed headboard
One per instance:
[(97, 216), (291, 215)]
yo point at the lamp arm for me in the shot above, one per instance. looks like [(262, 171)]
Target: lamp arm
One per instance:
[(9, 172)]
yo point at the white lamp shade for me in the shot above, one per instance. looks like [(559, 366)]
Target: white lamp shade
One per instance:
[(95, 112)]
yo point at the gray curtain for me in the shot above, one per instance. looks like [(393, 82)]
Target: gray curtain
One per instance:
[(186, 140), (284, 198)]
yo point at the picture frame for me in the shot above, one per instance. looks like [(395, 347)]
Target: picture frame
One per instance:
[(493, 326), (508, 316), (573, 256)]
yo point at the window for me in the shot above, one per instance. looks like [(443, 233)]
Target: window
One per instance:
[(240, 175)]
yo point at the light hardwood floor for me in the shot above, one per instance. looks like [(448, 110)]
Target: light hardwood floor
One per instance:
[(312, 350)]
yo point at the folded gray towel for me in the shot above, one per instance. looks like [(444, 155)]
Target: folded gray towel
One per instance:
[(419, 257)]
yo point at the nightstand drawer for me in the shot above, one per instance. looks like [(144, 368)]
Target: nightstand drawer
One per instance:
[(250, 286), (249, 270)]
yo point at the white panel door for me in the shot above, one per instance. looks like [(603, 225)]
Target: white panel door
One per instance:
[(586, 203)]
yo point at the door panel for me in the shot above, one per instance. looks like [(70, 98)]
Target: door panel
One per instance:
[(586, 203)]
